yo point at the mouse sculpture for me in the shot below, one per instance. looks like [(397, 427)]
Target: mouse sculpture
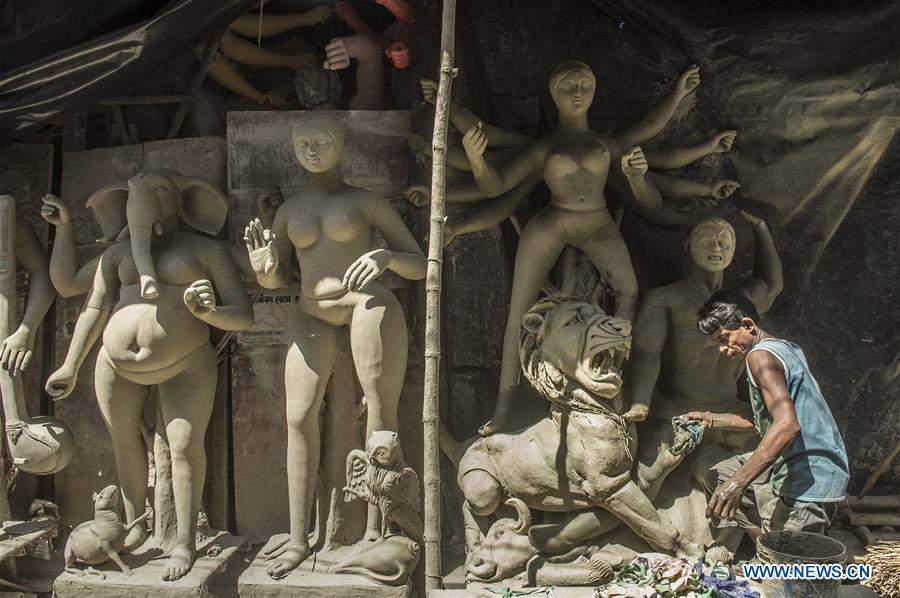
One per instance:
[(101, 539)]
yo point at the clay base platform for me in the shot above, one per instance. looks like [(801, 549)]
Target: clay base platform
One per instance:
[(312, 580), (147, 565)]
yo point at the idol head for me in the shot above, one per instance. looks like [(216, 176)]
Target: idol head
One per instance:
[(711, 243), (572, 86), (318, 140)]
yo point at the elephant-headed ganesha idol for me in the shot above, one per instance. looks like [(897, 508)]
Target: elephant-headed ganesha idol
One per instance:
[(157, 289), (576, 460)]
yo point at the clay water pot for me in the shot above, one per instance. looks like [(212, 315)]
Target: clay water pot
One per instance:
[(40, 445)]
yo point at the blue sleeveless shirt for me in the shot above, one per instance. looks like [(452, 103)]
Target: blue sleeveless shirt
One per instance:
[(813, 467)]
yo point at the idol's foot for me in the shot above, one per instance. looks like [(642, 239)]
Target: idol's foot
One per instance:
[(179, 563), (291, 555)]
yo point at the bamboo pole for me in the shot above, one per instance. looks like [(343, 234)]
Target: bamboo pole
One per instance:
[(432, 473)]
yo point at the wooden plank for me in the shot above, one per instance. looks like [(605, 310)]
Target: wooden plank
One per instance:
[(875, 519), (375, 156), (873, 502)]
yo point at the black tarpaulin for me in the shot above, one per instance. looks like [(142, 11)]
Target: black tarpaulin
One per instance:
[(40, 88)]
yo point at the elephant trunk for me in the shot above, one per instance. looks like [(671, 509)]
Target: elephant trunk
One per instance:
[(482, 570), (144, 214), (143, 260)]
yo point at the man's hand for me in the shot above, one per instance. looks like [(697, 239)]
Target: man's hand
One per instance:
[(200, 298), (260, 244), (689, 80), (54, 210), (704, 417), (725, 500), (475, 141), (722, 142), (634, 163), (16, 351), (723, 189)]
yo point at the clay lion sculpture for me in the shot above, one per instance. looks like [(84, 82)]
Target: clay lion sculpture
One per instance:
[(578, 457)]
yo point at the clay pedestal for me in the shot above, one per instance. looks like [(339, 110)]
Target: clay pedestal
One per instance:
[(312, 580), (147, 565)]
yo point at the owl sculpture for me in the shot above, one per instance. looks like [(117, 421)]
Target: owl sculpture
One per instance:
[(381, 477)]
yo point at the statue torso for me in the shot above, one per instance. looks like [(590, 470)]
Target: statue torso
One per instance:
[(575, 170), (693, 376), (329, 232), (145, 335)]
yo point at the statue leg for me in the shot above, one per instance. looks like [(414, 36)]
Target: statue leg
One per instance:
[(307, 368), (121, 403), (607, 251), (378, 339), (186, 402), (541, 243), (637, 512)]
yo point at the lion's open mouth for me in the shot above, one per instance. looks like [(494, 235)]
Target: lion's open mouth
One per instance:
[(606, 347)]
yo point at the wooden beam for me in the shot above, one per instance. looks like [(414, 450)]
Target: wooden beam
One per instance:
[(873, 502), (208, 54), (146, 100), (874, 519)]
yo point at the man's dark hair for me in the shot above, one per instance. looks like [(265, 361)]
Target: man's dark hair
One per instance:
[(725, 309)]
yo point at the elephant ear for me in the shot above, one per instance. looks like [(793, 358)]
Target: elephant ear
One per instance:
[(203, 206), (108, 204)]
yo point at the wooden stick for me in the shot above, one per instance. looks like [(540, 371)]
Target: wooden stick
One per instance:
[(882, 467), (430, 416), (871, 519), (145, 100), (208, 55)]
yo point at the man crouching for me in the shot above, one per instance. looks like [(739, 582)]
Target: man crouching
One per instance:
[(798, 472)]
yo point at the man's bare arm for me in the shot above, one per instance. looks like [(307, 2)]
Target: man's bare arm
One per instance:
[(770, 377)]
